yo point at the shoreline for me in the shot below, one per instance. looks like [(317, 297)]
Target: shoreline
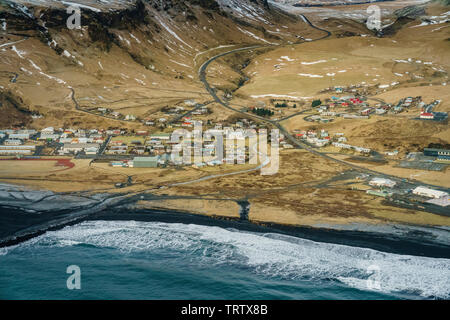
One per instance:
[(19, 224), (416, 244)]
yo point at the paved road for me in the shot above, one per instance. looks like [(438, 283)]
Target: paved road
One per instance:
[(104, 145), (328, 33), (294, 115)]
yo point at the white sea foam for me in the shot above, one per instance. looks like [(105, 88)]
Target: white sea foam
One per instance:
[(3, 251), (267, 254)]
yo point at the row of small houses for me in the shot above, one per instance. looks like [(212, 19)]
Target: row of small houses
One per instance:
[(74, 141), (363, 114), (89, 141), (155, 142), (160, 143), (17, 149), (322, 139), (347, 100), (13, 143), (349, 147), (88, 148)]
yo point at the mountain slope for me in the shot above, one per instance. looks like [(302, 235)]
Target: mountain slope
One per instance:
[(133, 56)]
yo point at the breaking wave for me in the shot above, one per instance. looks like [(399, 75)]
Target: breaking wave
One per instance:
[(270, 254)]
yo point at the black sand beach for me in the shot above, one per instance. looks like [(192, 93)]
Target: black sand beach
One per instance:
[(13, 221), (415, 244)]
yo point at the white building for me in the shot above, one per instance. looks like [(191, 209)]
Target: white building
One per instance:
[(13, 142), (381, 182), (341, 145), (91, 150), (23, 136), (317, 142), (391, 153), (430, 193), (189, 102), (48, 136), (49, 130), (361, 149), (77, 147), (443, 202), (10, 150)]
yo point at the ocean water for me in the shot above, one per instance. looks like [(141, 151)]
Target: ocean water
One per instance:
[(154, 260)]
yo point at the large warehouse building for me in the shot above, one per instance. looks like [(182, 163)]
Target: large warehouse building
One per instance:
[(145, 162), (430, 193), (443, 154)]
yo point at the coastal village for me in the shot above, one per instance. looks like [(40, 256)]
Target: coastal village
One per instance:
[(122, 144), (319, 121), (229, 149)]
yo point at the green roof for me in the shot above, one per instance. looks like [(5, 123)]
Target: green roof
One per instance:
[(379, 193)]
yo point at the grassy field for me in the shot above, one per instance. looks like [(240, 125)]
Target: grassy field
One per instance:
[(128, 139), (303, 70), (16, 168)]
